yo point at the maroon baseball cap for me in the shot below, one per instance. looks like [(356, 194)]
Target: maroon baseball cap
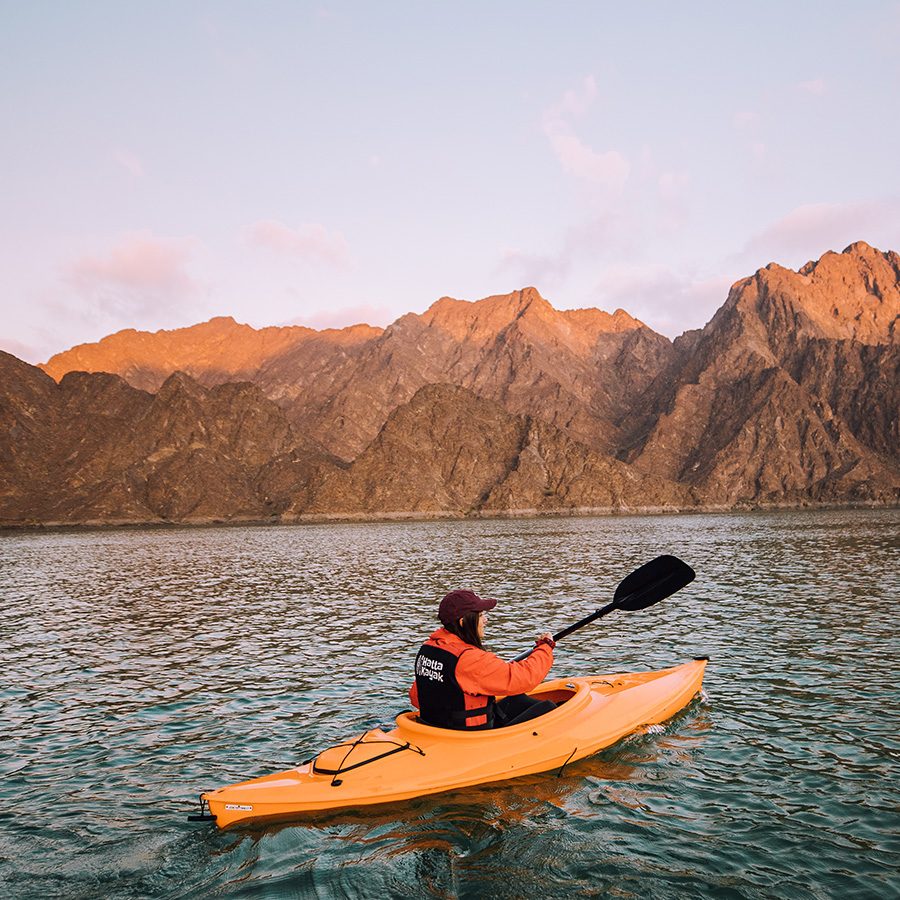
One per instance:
[(457, 603)]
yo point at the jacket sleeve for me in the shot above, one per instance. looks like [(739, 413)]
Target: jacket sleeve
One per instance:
[(480, 672), (414, 695)]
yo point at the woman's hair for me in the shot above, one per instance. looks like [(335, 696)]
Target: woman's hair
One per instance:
[(468, 630)]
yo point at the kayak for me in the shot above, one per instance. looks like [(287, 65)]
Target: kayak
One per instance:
[(414, 759)]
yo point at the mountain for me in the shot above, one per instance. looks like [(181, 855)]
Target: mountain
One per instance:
[(576, 369), (94, 449), (790, 395), (450, 451), (213, 352)]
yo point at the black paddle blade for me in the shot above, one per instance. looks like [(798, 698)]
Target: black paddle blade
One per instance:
[(652, 582)]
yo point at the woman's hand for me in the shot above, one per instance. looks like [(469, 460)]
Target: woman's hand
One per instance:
[(546, 638)]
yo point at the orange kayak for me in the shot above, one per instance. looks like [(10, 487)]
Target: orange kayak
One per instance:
[(414, 759)]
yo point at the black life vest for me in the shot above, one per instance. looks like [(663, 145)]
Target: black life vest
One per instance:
[(442, 702)]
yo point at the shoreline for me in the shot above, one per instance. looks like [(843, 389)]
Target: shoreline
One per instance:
[(436, 516)]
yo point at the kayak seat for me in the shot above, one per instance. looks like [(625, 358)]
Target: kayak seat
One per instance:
[(545, 700), (520, 708), (558, 697)]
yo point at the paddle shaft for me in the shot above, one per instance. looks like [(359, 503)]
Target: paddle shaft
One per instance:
[(567, 631), (585, 621)]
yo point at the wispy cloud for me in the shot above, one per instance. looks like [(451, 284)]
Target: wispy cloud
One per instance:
[(749, 126), (815, 86), (309, 242), (141, 274), (349, 315), (608, 169), (809, 230), (745, 118), (129, 161), (541, 270), (672, 185), (656, 205), (607, 233), (23, 351), (667, 300)]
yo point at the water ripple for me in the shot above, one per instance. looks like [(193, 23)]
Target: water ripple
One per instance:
[(143, 666)]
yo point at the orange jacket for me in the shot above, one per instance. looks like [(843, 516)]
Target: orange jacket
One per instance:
[(479, 672)]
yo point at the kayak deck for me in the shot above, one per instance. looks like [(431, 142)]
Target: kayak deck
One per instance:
[(414, 759)]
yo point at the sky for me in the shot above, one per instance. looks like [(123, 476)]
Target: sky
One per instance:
[(328, 163)]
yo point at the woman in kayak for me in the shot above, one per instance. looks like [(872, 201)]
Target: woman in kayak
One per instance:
[(457, 679)]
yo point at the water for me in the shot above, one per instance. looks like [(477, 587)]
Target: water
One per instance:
[(144, 666)]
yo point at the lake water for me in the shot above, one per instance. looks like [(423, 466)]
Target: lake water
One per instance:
[(143, 666)]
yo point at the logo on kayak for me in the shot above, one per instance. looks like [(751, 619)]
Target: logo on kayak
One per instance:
[(429, 668), (239, 806)]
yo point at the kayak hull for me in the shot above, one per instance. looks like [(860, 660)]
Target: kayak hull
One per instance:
[(414, 759)]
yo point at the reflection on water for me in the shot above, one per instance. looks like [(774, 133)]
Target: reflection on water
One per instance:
[(145, 666)]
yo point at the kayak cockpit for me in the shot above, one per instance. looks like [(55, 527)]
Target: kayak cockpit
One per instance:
[(569, 696), (558, 696)]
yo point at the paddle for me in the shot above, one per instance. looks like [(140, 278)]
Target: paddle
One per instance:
[(652, 582)]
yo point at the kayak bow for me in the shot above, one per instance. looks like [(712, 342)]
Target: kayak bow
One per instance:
[(414, 759)]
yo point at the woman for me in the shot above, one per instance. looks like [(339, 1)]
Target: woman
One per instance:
[(457, 679)]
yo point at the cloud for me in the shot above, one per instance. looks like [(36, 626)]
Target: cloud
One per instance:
[(816, 87), (657, 206), (673, 184), (129, 161), (543, 270), (141, 274), (309, 243), (577, 102), (608, 170), (611, 233), (810, 230), (749, 125), (745, 119), (23, 351), (349, 315), (667, 300), (672, 209)]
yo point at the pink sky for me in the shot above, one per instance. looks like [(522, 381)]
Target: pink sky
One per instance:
[(331, 163)]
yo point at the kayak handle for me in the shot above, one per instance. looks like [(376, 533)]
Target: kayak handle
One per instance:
[(204, 815)]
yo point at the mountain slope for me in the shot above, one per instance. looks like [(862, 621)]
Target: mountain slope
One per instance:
[(790, 393), (576, 369), (93, 448), (212, 352), (451, 451)]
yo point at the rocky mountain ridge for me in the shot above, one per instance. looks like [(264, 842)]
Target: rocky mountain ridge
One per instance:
[(94, 450), (788, 396), (790, 393), (577, 368), (212, 352)]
